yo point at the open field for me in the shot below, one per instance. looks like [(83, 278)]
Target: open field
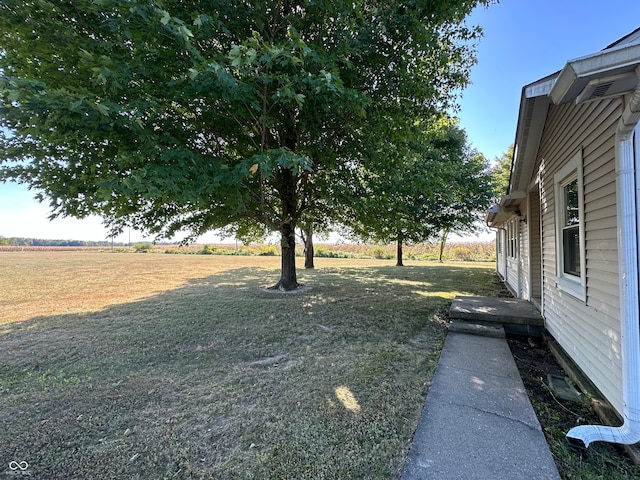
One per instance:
[(461, 251), (180, 366)]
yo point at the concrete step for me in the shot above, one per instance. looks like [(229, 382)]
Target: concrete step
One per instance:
[(515, 315), (476, 328)]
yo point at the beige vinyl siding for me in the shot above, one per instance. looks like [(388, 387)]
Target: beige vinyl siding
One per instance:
[(513, 262), (525, 288), (533, 226), (589, 331), (512, 274), (501, 253)]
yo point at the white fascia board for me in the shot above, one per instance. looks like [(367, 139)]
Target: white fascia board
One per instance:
[(540, 88), (576, 73), (607, 60), (564, 82)]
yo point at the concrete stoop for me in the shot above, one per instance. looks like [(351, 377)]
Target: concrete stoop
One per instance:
[(489, 315)]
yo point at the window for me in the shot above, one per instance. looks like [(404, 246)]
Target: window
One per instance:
[(570, 275), (571, 229)]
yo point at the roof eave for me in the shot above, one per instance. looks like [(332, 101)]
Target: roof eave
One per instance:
[(534, 105), (577, 73), (499, 214)]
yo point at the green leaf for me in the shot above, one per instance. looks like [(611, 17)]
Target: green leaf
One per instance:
[(103, 109), (250, 55), (235, 56), (299, 98), (185, 32), (166, 17)]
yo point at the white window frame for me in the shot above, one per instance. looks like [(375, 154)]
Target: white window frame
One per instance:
[(572, 284)]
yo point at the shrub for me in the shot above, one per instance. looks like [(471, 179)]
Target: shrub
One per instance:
[(267, 251), (242, 250), (142, 247), (380, 253), (324, 252), (462, 253), (208, 249)]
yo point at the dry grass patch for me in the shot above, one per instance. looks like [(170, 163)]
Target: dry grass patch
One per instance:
[(163, 366), (55, 282)]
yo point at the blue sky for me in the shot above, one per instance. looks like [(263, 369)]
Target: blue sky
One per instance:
[(524, 40)]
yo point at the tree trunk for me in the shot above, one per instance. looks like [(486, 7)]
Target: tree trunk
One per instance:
[(288, 279), (443, 240), (399, 252), (308, 248)]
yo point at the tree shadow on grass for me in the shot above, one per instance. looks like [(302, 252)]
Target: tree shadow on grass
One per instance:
[(218, 379)]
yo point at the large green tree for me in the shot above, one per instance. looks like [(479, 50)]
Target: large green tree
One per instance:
[(190, 116)]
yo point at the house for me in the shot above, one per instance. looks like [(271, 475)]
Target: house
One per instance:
[(567, 229)]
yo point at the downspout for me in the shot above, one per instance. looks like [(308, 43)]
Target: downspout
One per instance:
[(629, 432)]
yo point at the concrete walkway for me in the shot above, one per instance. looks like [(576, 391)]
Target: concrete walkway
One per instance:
[(478, 422)]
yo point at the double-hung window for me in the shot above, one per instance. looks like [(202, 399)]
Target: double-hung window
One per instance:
[(570, 266)]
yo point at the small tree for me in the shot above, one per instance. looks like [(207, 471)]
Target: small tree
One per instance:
[(307, 241), (471, 194), (501, 173), (434, 183)]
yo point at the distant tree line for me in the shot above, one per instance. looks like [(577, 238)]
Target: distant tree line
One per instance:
[(38, 242)]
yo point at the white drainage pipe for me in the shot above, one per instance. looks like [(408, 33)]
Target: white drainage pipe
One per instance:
[(629, 432)]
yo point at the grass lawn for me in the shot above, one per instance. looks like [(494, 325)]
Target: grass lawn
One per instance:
[(179, 366)]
